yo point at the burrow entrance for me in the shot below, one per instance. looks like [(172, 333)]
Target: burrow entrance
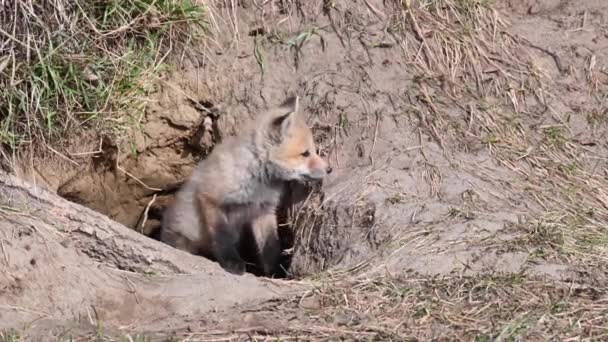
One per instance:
[(135, 188)]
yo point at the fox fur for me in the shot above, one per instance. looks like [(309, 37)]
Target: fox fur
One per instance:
[(238, 187)]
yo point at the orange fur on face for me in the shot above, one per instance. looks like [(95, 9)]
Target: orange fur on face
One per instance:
[(300, 141)]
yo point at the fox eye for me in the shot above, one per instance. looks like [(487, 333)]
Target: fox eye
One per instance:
[(305, 154)]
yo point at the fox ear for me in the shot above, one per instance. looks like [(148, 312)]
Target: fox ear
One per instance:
[(291, 104), (288, 112)]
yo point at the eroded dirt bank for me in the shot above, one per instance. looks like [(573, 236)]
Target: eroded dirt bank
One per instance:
[(66, 263)]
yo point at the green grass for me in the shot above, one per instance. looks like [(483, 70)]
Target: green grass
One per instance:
[(9, 336), (73, 65)]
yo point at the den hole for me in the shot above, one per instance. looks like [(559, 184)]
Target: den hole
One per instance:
[(293, 194), (150, 212)]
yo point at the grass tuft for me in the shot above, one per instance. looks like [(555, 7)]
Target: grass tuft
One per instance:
[(9, 336), (70, 65)]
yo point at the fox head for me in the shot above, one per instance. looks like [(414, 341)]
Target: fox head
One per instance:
[(292, 154)]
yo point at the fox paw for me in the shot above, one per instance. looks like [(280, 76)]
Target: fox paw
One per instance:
[(234, 266), (270, 271)]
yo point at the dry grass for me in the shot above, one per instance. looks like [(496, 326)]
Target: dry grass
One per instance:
[(478, 89), (413, 307), (463, 53), (484, 308), (71, 66)]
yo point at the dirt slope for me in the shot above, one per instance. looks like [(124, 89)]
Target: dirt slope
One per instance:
[(68, 264)]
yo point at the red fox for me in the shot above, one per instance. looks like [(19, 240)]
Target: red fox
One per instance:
[(238, 187)]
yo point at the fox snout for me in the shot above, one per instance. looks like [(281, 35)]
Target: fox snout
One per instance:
[(317, 168)]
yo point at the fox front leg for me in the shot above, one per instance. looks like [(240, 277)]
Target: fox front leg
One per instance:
[(267, 242), (223, 237), (225, 251)]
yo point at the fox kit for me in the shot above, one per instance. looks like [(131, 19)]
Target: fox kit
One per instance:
[(238, 186)]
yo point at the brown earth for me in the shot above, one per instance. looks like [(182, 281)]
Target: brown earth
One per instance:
[(469, 147)]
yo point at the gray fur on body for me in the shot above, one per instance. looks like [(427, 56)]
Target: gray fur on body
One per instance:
[(242, 181)]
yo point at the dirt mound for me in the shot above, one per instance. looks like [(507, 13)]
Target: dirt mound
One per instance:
[(66, 263), (469, 168)]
